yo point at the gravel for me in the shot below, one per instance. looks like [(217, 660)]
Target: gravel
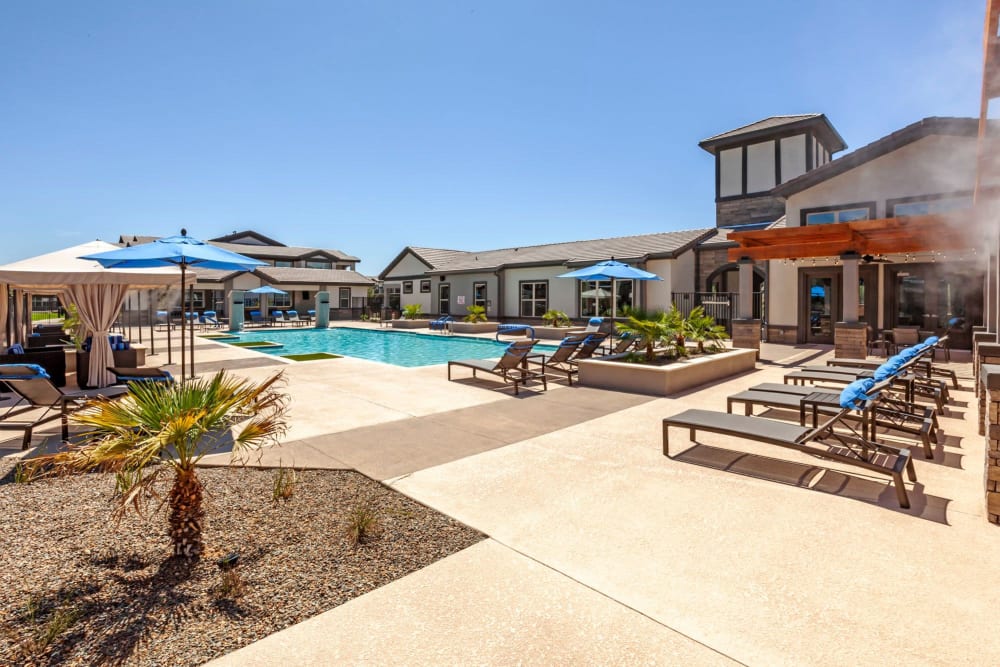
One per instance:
[(77, 589)]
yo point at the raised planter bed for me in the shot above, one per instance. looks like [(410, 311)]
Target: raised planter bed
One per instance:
[(473, 327), (410, 324), (605, 373), (552, 333)]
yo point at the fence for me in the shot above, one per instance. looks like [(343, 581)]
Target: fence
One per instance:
[(721, 306)]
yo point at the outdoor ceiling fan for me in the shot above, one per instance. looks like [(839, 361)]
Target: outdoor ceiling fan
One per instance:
[(872, 259)]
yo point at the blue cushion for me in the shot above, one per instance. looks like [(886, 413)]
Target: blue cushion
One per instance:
[(15, 349), (910, 352), (931, 340), (888, 369), (596, 321), (856, 391), (21, 371)]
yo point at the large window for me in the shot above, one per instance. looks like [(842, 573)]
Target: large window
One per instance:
[(534, 298), (928, 205), (595, 297), (833, 214), (344, 297), (318, 265), (282, 262), (479, 294), (281, 300), (392, 296)]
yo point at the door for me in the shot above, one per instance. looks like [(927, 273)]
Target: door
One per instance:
[(444, 299), (820, 304), (938, 298)]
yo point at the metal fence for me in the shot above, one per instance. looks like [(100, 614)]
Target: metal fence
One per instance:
[(721, 306)]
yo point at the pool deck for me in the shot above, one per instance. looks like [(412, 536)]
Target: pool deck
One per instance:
[(602, 550)]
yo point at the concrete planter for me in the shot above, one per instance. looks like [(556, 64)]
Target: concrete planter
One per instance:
[(473, 327), (552, 333), (410, 324), (665, 380)]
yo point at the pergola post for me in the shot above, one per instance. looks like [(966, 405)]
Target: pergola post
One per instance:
[(850, 337), (746, 329)]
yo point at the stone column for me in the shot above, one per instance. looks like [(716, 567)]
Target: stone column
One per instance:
[(990, 426), (850, 337), (989, 355), (746, 330), (979, 337), (235, 307), (322, 310)]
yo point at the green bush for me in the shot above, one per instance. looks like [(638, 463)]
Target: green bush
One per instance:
[(476, 314), (412, 311), (556, 318)]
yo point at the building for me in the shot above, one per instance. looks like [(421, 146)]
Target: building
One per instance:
[(300, 272)]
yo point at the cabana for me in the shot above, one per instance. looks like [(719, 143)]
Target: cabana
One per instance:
[(97, 293)]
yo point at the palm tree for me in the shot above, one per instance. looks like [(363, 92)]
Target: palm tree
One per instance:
[(701, 327), (158, 428), (649, 327)]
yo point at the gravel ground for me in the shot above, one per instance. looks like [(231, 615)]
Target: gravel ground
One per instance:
[(76, 589)]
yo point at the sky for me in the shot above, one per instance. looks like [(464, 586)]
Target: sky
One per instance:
[(370, 126)]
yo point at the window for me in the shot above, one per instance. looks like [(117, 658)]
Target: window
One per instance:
[(595, 297), (534, 298), (928, 205), (305, 295), (281, 300), (282, 262), (479, 294), (425, 287), (199, 300), (318, 265), (392, 296), (407, 287), (251, 300), (344, 296), (833, 214)]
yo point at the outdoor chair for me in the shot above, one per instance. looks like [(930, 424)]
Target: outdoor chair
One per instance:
[(913, 420), (126, 375), (591, 344), (209, 319), (257, 319), (596, 325), (511, 367), (36, 391), (925, 365), (441, 324), (278, 317), (626, 342), (903, 337), (292, 317), (559, 361), (844, 446)]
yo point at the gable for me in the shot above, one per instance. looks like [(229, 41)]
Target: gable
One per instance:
[(406, 266)]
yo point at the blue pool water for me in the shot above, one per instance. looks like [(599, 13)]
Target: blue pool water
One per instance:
[(390, 347)]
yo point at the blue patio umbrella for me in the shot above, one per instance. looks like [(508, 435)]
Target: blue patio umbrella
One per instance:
[(182, 251), (610, 270), (266, 289)]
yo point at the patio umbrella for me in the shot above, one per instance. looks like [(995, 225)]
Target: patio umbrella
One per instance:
[(265, 290), (182, 251), (610, 270)]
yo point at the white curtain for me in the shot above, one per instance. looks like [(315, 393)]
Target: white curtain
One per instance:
[(18, 333), (98, 307), (4, 301)]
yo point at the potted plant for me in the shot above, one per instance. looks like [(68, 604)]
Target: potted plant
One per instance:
[(555, 318), (413, 317), (412, 311), (474, 322), (475, 314)]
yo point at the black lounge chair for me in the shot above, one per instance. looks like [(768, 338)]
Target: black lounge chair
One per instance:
[(591, 344), (126, 375), (917, 420), (559, 360), (36, 391), (823, 441), (914, 385), (512, 366)]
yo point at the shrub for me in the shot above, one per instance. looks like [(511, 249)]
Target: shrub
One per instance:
[(476, 314), (362, 523), (285, 481), (556, 318), (701, 328), (412, 311)]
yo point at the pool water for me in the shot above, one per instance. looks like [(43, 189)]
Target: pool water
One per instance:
[(390, 347)]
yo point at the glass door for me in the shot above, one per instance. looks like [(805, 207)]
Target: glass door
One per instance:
[(820, 304), (444, 299)]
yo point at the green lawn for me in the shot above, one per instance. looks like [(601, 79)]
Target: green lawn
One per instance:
[(312, 356)]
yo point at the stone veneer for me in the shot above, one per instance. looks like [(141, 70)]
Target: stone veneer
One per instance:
[(990, 425), (749, 209), (986, 354), (850, 340), (783, 333), (746, 335)]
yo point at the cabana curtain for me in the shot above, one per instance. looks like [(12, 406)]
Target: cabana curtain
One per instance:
[(98, 306)]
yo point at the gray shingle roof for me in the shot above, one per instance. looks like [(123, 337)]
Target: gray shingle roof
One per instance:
[(774, 124), (290, 274), (256, 251), (623, 248), (437, 257)]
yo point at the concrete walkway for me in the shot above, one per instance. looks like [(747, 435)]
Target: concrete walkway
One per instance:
[(602, 550)]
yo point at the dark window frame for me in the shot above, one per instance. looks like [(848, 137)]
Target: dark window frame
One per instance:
[(341, 301), (890, 204), (521, 301), (804, 213), (407, 287), (485, 285), (425, 286)]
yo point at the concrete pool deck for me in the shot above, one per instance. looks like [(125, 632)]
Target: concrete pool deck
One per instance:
[(601, 550)]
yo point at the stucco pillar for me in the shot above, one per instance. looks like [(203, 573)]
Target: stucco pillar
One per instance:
[(850, 337), (746, 330), (851, 286), (322, 310), (235, 307)]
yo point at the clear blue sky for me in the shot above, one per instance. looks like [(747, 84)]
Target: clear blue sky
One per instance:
[(368, 126)]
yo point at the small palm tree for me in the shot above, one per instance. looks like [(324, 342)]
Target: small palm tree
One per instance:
[(157, 428), (701, 328), (475, 314), (555, 318), (412, 311)]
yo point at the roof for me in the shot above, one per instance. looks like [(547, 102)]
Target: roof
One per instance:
[(934, 125), (624, 248), (65, 267), (278, 251), (232, 238), (432, 258), (290, 274), (772, 125)]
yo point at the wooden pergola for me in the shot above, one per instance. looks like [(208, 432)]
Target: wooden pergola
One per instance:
[(918, 233)]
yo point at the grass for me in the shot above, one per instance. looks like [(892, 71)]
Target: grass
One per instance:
[(218, 336), (284, 484), (256, 343), (311, 356), (39, 315), (362, 523)]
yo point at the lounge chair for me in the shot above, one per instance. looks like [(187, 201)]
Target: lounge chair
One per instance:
[(126, 375), (914, 420), (292, 317), (846, 447), (441, 324), (626, 342), (209, 319), (925, 365), (512, 366), (256, 318), (591, 344), (36, 391), (278, 317), (559, 360)]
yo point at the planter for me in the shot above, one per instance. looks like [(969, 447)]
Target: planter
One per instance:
[(473, 327), (668, 379), (410, 324), (553, 333)]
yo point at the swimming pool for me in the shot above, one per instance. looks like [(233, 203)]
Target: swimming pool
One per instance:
[(391, 347)]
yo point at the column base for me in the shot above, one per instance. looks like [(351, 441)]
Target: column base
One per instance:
[(850, 340), (746, 335)]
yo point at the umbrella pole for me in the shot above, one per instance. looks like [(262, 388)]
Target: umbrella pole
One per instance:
[(191, 330), (614, 299), (183, 365)]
